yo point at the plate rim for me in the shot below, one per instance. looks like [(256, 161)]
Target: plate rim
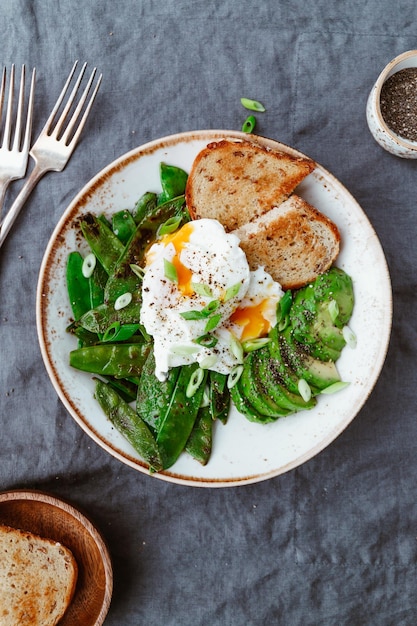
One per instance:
[(118, 164)]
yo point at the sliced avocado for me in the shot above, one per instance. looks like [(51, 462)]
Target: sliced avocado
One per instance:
[(317, 373), (273, 384), (243, 405), (254, 390)]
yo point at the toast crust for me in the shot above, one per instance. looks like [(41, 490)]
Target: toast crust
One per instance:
[(37, 579), (238, 181)]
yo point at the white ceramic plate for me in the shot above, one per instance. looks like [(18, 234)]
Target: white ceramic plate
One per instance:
[(243, 452)]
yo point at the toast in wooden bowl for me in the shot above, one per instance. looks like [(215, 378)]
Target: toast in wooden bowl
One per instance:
[(235, 182), (37, 579), (294, 242)]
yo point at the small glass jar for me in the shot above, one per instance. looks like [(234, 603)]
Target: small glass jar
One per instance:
[(382, 133)]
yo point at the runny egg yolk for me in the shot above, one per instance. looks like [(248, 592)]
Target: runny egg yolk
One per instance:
[(178, 239), (252, 321)]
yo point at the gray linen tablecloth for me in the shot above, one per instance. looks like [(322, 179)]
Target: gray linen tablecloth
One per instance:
[(334, 541)]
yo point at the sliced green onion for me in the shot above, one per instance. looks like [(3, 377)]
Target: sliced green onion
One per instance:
[(205, 401), (208, 362), (231, 292), (304, 389), (212, 322), (283, 323), (123, 300), (254, 344), (211, 307), (195, 381), (335, 387), (249, 124), (136, 269), (203, 313), (170, 226), (170, 271), (119, 332), (333, 308), (207, 340), (236, 348), (88, 265), (252, 105), (202, 289), (234, 376), (184, 350), (349, 336), (284, 306)]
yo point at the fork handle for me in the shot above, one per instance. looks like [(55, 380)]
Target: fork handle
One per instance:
[(10, 217)]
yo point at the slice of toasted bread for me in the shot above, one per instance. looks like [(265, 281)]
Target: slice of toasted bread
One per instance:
[(294, 242), (235, 182), (37, 579)]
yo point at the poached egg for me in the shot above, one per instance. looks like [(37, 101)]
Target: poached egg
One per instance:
[(200, 299)]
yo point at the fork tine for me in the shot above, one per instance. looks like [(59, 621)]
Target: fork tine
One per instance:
[(2, 88), (58, 103), (29, 119), (78, 110), (8, 125)]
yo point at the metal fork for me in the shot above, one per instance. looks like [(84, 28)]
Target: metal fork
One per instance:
[(14, 156), (54, 146)]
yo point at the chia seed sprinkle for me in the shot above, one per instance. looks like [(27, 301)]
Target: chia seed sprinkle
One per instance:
[(399, 103)]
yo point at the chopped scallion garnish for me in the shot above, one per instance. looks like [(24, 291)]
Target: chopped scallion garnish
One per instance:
[(252, 105), (195, 381), (236, 348), (333, 308), (123, 300), (208, 362), (202, 289), (304, 389), (207, 340), (231, 292), (349, 336), (88, 265), (170, 226), (249, 124), (254, 344), (212, 322), (136, 269), (170, 271), (234, 376), (334, 387)]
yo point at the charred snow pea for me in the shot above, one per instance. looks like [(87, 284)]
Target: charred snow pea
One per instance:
[(123, 225), (121, 360), (200, 441), (173, 180), (102, 241), (179, 417), (153, 395), (145, 205), (99, 319), (219, 396), (129, 424)]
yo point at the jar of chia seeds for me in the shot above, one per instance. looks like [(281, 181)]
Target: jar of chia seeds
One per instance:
[(391, 109)]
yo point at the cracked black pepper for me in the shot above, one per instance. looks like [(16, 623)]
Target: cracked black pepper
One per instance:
[(399, 103)]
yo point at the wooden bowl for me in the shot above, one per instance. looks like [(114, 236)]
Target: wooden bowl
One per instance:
[(49, 517)]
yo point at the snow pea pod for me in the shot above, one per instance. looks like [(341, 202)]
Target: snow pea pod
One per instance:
[(102, 241), (219, 396), (129, 424), (77, 285), (123, 225), (153, 396), (179, 417), (173, 181), (99, 319), (200, 441), (120, 360), (145, 205)]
